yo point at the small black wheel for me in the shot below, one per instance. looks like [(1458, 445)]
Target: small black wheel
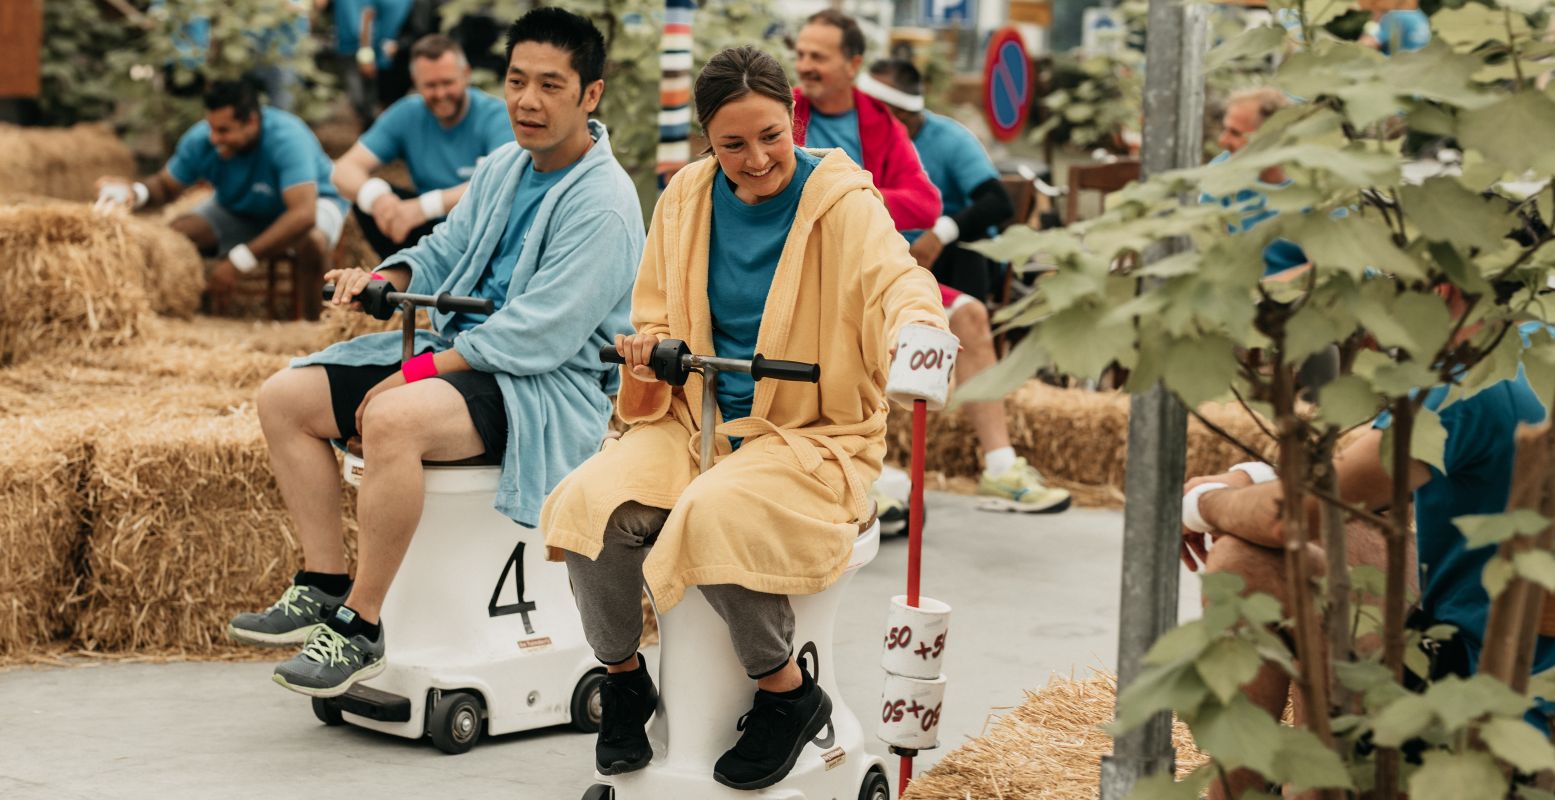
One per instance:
[(455, 722), (586, 703), (875, 786), (327, 712), (600, 791)]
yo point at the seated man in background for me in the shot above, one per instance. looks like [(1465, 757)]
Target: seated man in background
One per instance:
[(441, 133), (975, 203), (273, 192), (550, 232), (1246, 112)]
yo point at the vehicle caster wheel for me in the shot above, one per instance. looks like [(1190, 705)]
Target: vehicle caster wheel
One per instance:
[(455, 722), (600, 791), (586, 703), (327, 712), (875, 787)]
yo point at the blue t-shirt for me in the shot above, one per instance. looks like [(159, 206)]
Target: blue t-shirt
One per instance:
[(388, 18), (348, 26), (532, 187), (742, 257), (439, 157), (1481, 445), (1410, 30), (836, 130), (1280, 254), (250, 183), (955, 162)]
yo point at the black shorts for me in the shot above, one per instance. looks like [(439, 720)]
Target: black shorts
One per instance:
[(482, 397)]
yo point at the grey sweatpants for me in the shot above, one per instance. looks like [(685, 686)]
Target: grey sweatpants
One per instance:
[(608, 591)]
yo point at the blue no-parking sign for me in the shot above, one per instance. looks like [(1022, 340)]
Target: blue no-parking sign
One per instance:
[(1007, 84), (944, 12)]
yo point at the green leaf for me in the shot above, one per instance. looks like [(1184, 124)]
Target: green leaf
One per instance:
[(1185, 642), (1537, 566), (1175, 688), (1539, 366), (1303, 762), (1226, 666), (1081, 344), (1220, 587), (1428, 439), (1473, 24), (1004, 377), (1499, 131), (1483, 529), (1498, 573), (1458, 701), (1165, 786), (1348, 400), (1519, 744), (1200, 369), (1261, 609), (1402, 720), (1444, 211), (1239, 734), (1457, 776), (1360, 676), (1350, 244), (1252, 43)]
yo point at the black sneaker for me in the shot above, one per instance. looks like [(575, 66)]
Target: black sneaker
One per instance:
[(776, 730), (627, 700)]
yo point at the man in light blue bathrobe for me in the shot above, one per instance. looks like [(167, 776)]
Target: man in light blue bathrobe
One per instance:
[(552, 237)]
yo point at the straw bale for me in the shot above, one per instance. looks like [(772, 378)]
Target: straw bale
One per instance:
[(1048, 748), (188, 530), (41, 471), (291, 338), (1077, 438), (61, 162), (174, 270), (73, 278)]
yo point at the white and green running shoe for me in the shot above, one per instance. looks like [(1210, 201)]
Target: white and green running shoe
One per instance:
[(289, 621), (1020, 488), (330, 663)]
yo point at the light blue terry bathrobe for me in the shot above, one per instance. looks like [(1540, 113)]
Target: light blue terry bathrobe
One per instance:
[(570, 294)]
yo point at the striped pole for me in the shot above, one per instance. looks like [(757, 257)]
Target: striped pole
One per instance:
[(675, 89)]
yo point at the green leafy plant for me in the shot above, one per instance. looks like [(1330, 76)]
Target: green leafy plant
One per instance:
[(1204, 323)]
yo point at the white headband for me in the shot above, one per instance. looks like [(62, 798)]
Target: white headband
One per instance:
[(890, 95)]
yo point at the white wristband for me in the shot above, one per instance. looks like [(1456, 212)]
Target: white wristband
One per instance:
[(1257, 470), (142, 194), (365, 56), (432, 204), (946, 230), (242, 258), (373, 189), (1191, 518)]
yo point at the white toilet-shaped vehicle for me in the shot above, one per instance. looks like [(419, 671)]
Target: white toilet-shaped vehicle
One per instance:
[(703, 689), (482, 631)]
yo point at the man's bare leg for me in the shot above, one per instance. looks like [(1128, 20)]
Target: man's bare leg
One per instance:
[(298, 422), (401, 428), (314, 257), (970, 325), (198, 230)]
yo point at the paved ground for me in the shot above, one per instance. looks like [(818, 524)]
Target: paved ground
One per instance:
[(1031, 596)]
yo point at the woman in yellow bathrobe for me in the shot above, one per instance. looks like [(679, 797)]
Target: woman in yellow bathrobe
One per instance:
[(768, 249)]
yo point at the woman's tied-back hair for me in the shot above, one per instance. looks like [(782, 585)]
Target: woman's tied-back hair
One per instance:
[(735, 73)]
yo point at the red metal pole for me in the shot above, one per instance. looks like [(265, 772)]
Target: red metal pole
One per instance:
[(920, 422)]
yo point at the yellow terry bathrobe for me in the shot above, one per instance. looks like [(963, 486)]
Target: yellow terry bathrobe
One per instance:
[(780, 514)]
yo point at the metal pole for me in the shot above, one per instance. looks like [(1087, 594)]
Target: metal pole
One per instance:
[(709, 415), (1158, 426)]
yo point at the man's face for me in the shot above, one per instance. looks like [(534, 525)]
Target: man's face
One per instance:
[(443, 82), (546, 100), (824, 72), (1239, 124), (229, 134)]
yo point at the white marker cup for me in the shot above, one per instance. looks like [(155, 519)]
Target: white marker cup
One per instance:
[(910, 711), (925, 360), (914, 645)]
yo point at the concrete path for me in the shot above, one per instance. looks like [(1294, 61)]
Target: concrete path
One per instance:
[(1031, 596)]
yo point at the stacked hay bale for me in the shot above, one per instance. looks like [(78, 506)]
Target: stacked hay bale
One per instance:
[(1078, 439), (61, 162), (41, 481), (1048, 748)]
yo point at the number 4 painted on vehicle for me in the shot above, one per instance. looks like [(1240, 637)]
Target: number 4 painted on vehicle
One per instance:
[(515, 565)]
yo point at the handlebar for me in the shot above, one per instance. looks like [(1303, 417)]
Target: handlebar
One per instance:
[(673, 362), (380, 300)]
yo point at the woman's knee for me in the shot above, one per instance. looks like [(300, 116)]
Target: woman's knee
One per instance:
[(292, 398)]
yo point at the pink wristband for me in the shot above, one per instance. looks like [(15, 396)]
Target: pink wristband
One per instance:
[(419, 368), (375, 276)]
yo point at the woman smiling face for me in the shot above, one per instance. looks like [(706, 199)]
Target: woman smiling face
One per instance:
[(753, 139)]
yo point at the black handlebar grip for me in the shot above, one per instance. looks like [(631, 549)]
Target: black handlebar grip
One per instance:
[(609, 355), (762, 368), (477, 305), (371, 297)]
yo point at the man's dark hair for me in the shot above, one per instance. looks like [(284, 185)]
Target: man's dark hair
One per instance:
[(565, 31), (241, 96), (852, 35), (898, 72), (434, 46)]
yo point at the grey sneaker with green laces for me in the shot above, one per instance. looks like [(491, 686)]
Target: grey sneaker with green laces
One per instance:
[(289, 622), (330, 663)]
